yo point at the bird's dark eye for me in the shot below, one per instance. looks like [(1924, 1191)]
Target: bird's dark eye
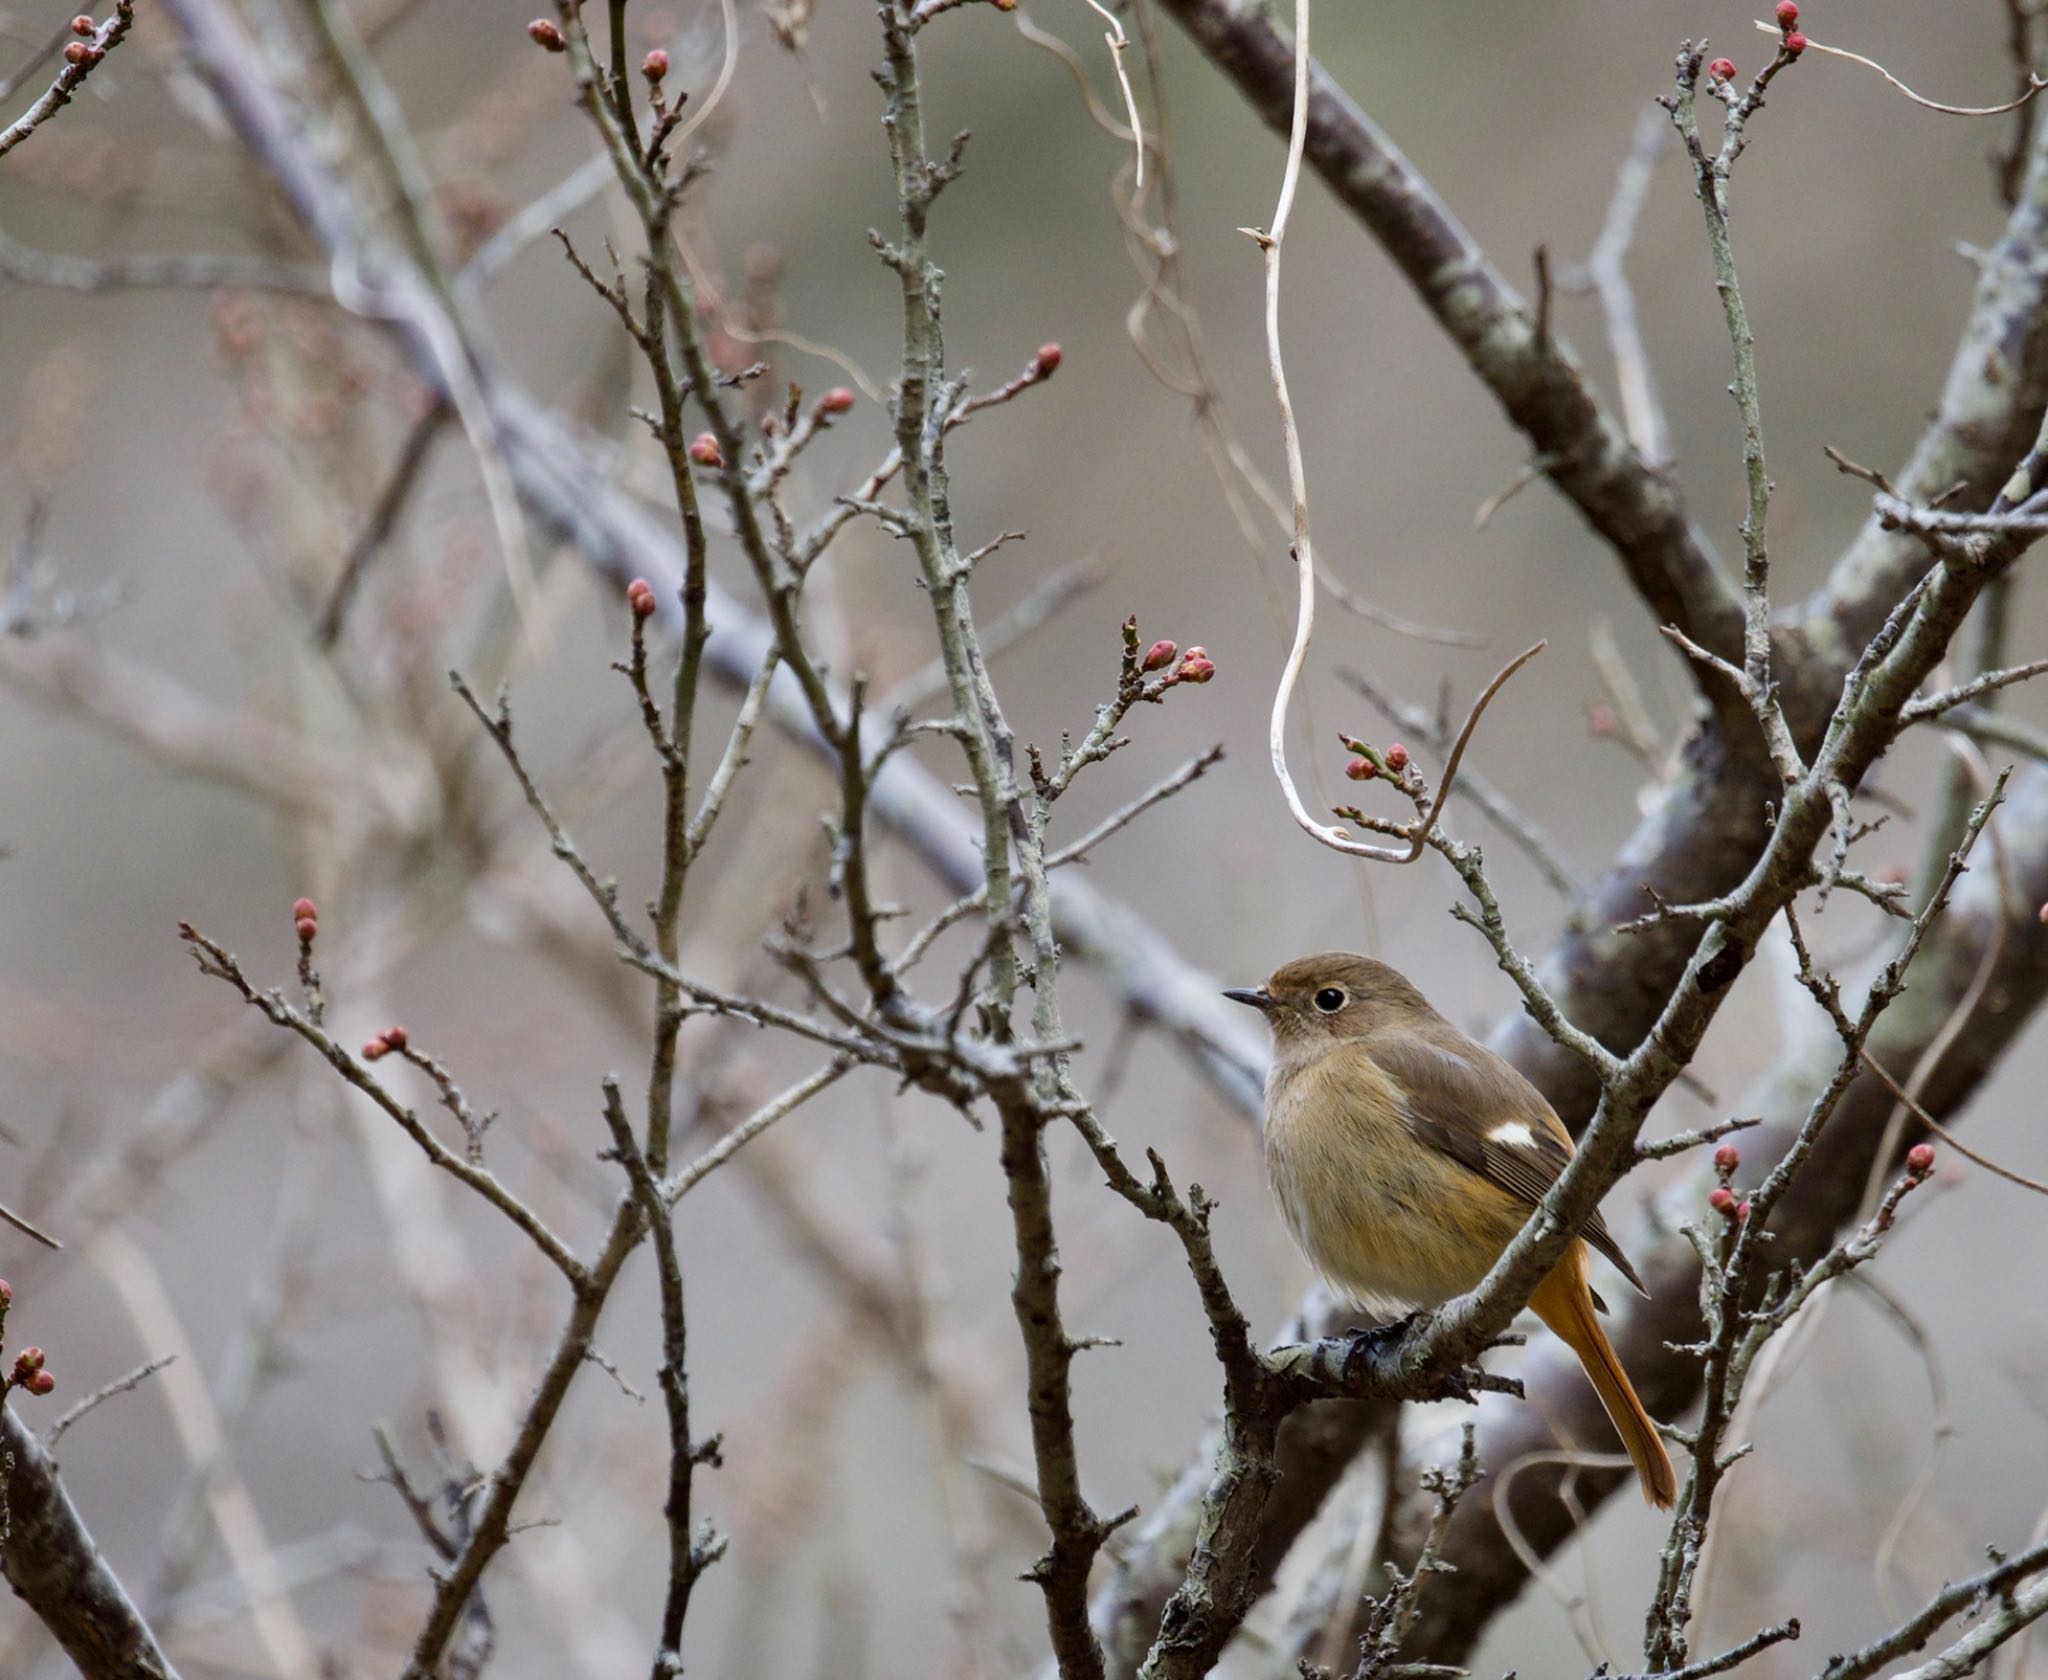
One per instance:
[(1330, 999)]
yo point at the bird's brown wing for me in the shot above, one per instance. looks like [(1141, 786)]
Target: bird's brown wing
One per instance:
[(1467, 1103)]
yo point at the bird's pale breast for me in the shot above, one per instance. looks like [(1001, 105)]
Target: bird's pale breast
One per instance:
[(1387, 1222)]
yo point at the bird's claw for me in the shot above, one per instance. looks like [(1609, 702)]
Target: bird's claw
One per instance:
[(1362, 1346)]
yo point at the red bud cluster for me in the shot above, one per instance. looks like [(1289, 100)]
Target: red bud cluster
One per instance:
[(835, 401), (1726, 1159), (79, 52), (1787, 14), (82, 25), (1158, 656), (1722, 1200), (1195, 666), (705, 452), (640, 597), (1722, 69), (390, 1040), (1920, 1160), (305, 919), (655, 65), (548, 34), (29, 1372), (1397, 758), (1361, 770), (1795, 43)]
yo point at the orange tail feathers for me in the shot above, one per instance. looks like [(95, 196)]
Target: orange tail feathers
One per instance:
[(1564, 1301)]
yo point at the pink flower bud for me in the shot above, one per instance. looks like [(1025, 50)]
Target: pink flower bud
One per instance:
[(1397, 757), (1047, 361), (1722, 1200), (640, 597), (1727, 1158), (1195, 667), (375, 1050), (1158, 656), (40, 1383), (78, 52), (1920, 1159), (1795, 43), (1742, 1213), (82, 25), (655, 65), (6, 1294), (305, 910), (835, 401), (705, 452), (27, 1363), (1361, 770), (396, 1037), (547, 33), (306, 927), (1787, 14), (1722, 69)]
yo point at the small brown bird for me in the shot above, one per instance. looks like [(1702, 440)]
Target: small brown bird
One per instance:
[(1406, 1156)]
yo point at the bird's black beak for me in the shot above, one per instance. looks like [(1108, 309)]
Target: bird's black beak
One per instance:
[(1257, 996)]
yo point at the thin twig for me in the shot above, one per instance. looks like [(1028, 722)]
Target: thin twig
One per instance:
[(103, 40), (120, 1385), (9, 1216), (2034, 83)]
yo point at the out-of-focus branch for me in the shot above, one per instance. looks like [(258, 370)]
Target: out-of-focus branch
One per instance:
[(65, 272), (1697, 832), (55, 1568), (1536, 377), (1700, 834), (2010, 1613), (561, 484), (180, 728), (1605, 275), (1990, 406), (1823, 1198)]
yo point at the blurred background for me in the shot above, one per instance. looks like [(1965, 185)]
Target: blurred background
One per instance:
[(191, 465)]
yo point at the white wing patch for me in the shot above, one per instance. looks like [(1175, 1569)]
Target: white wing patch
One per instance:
[(1514, 1134)]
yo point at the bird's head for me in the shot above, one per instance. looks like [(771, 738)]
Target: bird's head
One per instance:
[(1333, 995)]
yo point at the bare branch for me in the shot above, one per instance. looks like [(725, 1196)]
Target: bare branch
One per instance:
[(2034, 83), (52, 1561), (82, 57), (120, 1385)]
